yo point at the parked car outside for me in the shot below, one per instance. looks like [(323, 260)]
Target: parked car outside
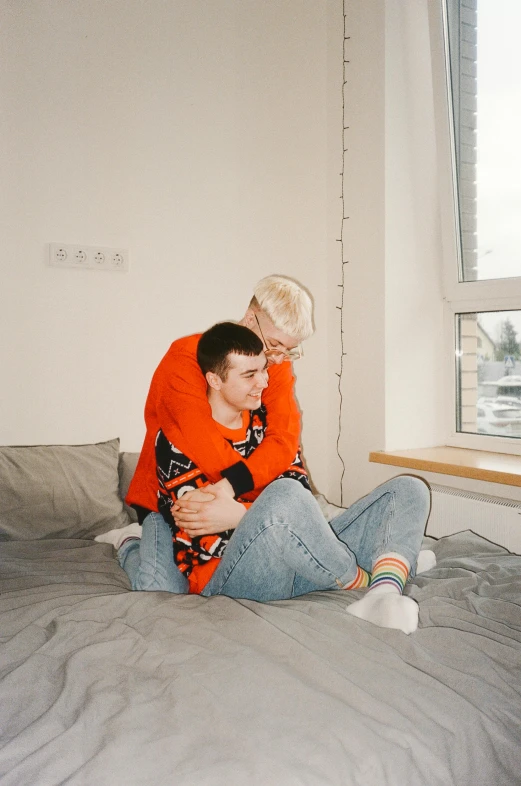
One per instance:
[(499, 418), (511, 401)]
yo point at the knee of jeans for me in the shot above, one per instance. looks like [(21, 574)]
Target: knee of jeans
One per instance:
[(413, 489), (287, 490), (154, 518)]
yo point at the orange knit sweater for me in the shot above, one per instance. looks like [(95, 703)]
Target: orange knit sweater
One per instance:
[(177, 403)]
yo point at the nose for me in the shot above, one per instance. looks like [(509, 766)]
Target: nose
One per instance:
[(275, 360), (262, 380)]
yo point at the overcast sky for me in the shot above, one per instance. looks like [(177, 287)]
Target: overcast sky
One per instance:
[(499, 147), (498, 138)]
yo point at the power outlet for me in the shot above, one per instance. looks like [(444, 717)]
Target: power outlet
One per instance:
[(60, 255), (88, 257)]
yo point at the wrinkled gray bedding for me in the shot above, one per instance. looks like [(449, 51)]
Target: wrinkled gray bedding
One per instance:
[(100, 685)]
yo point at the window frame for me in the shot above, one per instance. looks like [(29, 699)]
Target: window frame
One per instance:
[(459, 296)]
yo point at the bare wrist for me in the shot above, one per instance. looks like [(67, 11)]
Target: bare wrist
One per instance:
[(225, 486)]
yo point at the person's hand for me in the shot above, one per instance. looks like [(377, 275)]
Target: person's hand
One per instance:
[(207, 511), (225, 485), (203, 494), (197, 495)]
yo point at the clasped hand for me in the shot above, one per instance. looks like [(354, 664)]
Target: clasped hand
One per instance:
[(207, 511)]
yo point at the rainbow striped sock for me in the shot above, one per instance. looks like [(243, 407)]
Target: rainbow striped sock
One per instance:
[(390, 572), (361, 579)]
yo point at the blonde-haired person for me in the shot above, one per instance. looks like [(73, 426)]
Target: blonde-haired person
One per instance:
[(285, 303), (281, 314)]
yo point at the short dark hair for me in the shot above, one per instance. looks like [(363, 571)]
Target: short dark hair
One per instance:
[(219, 341)]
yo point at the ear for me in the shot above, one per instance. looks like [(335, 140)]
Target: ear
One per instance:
[(249, 320), (214, 381)]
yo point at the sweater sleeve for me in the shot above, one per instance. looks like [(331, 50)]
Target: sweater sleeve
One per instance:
[(182, 409), (281, 440)]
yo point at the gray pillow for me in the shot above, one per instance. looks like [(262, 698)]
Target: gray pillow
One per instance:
[(127, 467), (60, 491)]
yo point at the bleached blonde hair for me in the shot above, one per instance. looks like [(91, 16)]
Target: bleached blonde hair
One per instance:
[(287, 304)]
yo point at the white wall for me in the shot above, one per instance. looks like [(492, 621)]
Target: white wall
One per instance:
[(363, 378), (392, 388), (200, 135), (414, 340)]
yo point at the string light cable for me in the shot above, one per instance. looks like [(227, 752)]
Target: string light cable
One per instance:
[(344, 262)]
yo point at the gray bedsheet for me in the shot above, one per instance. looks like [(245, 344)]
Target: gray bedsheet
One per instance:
[(100, 685)]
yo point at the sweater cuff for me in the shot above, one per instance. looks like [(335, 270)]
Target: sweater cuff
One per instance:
[(239, 477)]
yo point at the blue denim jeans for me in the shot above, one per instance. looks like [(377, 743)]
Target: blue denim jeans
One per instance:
[(284, 547), (149, 562)]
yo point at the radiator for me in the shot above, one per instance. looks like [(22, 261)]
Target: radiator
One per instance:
[(494, 518)]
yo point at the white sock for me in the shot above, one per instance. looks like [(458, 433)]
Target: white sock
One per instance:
[(387, 609), (117, 536), (426, 561), (384, 605)]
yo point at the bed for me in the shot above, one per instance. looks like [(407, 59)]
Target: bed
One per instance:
[(101, 685)]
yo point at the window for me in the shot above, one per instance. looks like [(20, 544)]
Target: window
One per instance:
[(488, 379), (481, 215), (486, 88)]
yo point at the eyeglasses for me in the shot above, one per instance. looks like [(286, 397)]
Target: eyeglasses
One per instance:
[(288, 354)]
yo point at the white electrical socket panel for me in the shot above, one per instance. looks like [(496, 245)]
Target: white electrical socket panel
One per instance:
[(88, 257)]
